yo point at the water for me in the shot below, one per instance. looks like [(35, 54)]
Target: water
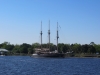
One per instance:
[(25, 65)]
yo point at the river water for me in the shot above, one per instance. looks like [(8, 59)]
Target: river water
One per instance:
[(26, 65)]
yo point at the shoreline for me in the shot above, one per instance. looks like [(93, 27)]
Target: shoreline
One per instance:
[(66, 55)]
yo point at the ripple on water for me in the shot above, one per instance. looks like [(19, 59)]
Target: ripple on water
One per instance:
[(25, 65)]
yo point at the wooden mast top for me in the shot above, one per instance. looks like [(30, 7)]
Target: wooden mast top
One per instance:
[(41, 35), (49, 35), (57, 36)]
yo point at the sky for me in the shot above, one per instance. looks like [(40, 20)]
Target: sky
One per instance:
[(78, 21)]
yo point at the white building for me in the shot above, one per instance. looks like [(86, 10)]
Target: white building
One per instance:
[(3, 51)]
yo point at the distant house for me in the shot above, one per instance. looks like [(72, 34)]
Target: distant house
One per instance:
[(3, 51)]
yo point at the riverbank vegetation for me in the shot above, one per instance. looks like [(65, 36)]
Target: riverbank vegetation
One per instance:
[(77, 49)]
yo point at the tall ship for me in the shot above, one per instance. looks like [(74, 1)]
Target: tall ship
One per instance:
[(47, 52)]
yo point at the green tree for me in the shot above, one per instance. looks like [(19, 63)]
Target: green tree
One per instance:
[(92, 43), (16, 49), (60, 47), (85, 48), (91, 49), (76, 48), (30, 51), (24, 48), (4, 45), (35, 45), (97, 47)]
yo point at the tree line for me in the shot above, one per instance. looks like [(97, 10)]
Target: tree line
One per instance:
[(62, 48)]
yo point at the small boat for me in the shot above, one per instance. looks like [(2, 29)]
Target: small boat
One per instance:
[(49, 53), (2, 55)]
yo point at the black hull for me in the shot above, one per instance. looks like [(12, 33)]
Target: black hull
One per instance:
[(51, 55)]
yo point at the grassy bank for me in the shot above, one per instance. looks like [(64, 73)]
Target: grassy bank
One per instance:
[(85, 55)]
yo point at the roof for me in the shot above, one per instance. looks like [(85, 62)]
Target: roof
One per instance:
[(3, 50)]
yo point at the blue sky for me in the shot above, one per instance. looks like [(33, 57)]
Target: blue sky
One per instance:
[(79, 21)]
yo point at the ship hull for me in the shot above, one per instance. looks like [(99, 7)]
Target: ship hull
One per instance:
[(50, 55)]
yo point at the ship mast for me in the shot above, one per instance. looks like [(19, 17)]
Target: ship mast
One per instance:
[(49, 35), (41, 35), (57, 36)]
